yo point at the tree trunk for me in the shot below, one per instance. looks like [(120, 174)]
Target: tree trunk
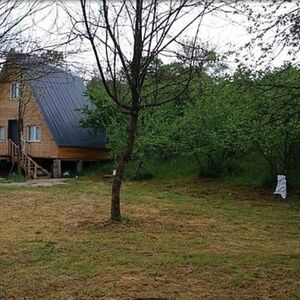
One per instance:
[(21, 112), (122, 161), (20, 135)]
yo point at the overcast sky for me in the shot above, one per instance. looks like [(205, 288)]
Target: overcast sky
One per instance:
[(223, 31)]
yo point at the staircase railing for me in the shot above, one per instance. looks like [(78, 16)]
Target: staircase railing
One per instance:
[(30, 167)]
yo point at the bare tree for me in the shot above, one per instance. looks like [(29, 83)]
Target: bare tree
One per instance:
[(128, 38), (16, 18), (275, 29)]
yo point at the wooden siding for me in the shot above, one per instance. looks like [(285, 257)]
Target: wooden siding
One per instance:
[(71, 153), (46, 148), (8, 110)]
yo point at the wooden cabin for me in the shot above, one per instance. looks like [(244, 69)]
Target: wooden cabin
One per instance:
[(52, 99)]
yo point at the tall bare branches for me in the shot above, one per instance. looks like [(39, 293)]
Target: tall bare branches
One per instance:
[(275, 26), (16, 18), (128, 38)]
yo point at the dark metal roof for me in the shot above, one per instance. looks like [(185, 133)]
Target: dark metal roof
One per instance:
[(60, 96)]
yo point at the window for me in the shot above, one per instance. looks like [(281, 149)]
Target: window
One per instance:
[(15, 91), (34, 134), (2, 134)]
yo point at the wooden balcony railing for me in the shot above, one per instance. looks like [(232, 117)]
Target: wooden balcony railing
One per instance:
[(32, 169)]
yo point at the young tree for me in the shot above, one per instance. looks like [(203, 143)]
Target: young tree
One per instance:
[(153, 134), (128, 38)]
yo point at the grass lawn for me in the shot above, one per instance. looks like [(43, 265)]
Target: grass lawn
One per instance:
[(181, 239)]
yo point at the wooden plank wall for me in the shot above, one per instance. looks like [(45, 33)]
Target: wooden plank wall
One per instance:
[(71, 153), (46, 148), (8, 110)]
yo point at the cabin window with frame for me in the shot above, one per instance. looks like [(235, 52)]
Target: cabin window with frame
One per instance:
[(2, 134), (15, 91), (34, 134)]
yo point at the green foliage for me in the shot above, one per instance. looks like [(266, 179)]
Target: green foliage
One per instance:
[(274, 113), (16, 178), (103, 116), (96, 170), (213, 128), (159, 168)]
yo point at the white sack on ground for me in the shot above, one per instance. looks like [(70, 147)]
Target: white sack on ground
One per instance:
[(281, 186)]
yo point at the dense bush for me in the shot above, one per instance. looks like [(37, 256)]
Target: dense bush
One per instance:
[(241, 126)]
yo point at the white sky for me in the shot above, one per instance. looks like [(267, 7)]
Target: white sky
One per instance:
[(223, 31)]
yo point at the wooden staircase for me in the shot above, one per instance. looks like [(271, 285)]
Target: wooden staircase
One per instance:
[(32, 169)]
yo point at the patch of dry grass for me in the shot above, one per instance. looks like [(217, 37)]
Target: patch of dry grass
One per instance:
[(178, 240)]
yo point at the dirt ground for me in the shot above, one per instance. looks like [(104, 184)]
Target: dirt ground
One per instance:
[(36, 182)]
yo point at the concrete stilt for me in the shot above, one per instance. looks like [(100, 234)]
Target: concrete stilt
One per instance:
[(56, 168), (79, 166)]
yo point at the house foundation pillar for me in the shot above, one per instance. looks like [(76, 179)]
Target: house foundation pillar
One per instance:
[(79, 166), (56, 168)]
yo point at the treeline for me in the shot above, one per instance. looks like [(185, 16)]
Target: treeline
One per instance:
[(219, 122)]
